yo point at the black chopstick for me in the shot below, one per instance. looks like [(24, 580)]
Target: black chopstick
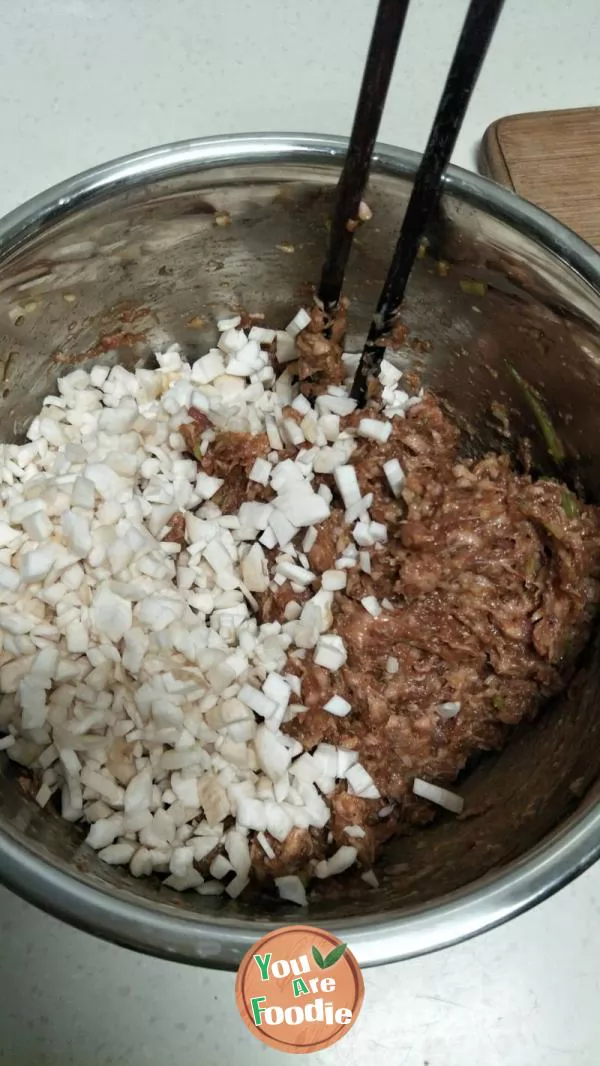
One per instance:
[(475, 38), (379, 65)]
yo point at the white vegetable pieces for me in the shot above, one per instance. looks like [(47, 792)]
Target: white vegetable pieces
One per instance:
[(440, 796), (338, 706), (331, 652), (111, 615), (347, 484), (343, 858), (395, 475), (152, 699), (272, 754), (291, 888)]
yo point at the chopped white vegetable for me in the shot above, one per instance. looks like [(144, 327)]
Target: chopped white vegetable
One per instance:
[(110, 614), (341, 860), (338, 706), (251, 814), (372, 605), (395, 475), (330, 652), (448, 710), (225, 324), (389, 375), (347, 484), (355, 831), (286, 347), (149, 690), (301, 505), (257, 701), (220, 867), (260, 471), (264, 843), (262, 335), (299, 322), (272, 754), (333, 580), (208, 367), (117, 854), (361, 783), (295, 573), (36, 564), (374, 429), (441, 796), (292, 889), (344, 760)]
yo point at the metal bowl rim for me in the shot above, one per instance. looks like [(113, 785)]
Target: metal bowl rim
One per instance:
[(221, 942)]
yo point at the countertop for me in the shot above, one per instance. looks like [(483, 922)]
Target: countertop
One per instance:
[(82, 81)]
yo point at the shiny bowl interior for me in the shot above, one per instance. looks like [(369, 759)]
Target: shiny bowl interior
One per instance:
[(154, 248)]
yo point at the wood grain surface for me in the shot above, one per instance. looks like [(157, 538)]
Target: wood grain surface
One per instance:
[(552, 158)]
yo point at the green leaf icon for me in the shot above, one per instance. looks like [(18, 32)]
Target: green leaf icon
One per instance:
[(334, 955), (316, 954)]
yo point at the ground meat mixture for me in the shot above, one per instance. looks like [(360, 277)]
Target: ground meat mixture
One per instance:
[(176, 530), (291, 857), (320, 350), (488, 584)]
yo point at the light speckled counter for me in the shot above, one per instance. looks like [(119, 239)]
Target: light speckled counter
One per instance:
[(85, 80), (522, 995)]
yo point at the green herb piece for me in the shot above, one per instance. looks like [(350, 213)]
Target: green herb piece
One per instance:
[(472, 287), (568, 503), (498, 703), (316, 954), (335, 954), (553, 441)]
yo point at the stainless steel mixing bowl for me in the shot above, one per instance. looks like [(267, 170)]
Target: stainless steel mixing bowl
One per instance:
[(156, 247)]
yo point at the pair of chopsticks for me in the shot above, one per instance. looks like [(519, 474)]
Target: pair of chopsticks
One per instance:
[(476, 34)]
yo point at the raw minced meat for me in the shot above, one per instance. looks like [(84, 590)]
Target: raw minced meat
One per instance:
[(491, 589), (320, 351), (491, 584)]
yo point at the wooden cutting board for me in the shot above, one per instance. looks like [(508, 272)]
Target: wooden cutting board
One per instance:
[(552, 158)]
